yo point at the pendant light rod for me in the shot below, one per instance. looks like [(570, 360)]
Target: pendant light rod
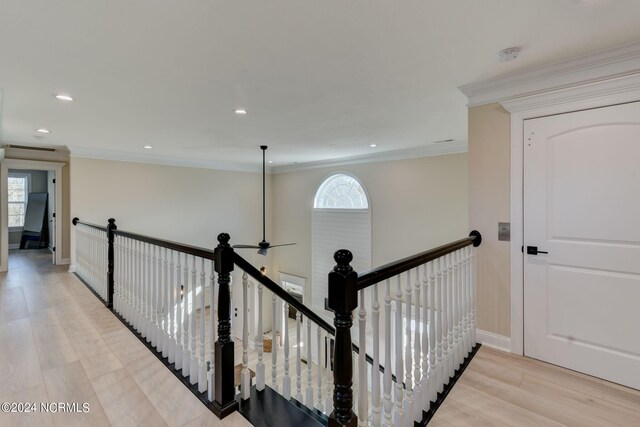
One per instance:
[(264, 151)]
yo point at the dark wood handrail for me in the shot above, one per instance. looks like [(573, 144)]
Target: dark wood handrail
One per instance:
[(77, 221), (180, 247), (273, 287), (387, 271)]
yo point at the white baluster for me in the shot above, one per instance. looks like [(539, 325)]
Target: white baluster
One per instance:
[(433, 385), (245, 377), (473, 297), (274, 341), (445, 322), (178, 313), (298, 359), (399, 419), (212, 333), (388, 404), (459, 281), (186, 356), (319, 401), (375, 369), (171, 310), (454, 314), (417, 351), (202, 374), (329, 377), (467, 311), (440, 328), (309, 391), (158, 287), (363, 395), (260, 380), (450, 316), (408, 401), (286, 381), (139, 319), (165, 303), (193, 361), (426, 393)]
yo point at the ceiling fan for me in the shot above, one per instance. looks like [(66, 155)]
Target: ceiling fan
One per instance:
[(263, 246)]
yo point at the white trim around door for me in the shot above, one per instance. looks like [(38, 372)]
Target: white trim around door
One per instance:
[(604, 93), (7, 164)]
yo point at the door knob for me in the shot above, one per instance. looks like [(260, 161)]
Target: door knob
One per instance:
[(533, 250)]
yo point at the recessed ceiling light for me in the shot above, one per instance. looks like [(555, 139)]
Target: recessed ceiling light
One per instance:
[(240, 111), (43, 130), (148, 147), (373, 145), (62, 97), (508, 54), (270, 161)]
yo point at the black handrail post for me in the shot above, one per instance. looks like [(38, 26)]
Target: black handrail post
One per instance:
[(343, 299), (224, 402), (111, 227)]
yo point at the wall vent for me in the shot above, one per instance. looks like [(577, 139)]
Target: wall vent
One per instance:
[(28, 147)]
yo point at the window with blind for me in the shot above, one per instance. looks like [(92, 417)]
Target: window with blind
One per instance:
[(341, 219), (18, 193)]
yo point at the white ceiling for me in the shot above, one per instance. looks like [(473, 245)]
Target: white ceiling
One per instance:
[(320, 79)]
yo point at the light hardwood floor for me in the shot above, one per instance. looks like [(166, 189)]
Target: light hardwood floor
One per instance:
[(59, 344)]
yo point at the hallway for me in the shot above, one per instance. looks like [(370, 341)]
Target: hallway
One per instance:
[(58, 343)]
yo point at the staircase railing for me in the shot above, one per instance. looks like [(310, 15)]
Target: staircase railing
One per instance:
[(158, 288)]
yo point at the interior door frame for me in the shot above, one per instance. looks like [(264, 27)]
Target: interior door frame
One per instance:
[(7, 164), (603, 93)]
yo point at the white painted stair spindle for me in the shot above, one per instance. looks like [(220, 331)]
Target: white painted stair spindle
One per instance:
[(417, 350), (363, 395), (202, 363), (165, 304), (439, 326), (286, 381), (212, 333), (274, 342), (376, 409), (260, 380), (309, 389), (450, 318), (399, 419), (433, 387), (186, 356), (388, 404), (319, 400), (245, 377), (408, 394), (178, 312), (193, 360), (298, 358)]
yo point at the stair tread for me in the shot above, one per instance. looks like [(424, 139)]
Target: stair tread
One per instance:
[(267, 408)]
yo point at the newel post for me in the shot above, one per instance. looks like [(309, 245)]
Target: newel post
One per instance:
[(343, 299), (111, 227), (224, 403)]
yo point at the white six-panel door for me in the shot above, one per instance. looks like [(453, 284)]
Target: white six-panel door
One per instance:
[(582, 206)]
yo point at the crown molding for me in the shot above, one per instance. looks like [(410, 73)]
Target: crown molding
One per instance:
[(101, 154), (411, 153), (592, 95), (606, 64)]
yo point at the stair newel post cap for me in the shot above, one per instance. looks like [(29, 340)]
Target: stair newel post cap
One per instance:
[(478, 238), (75, 220), (343, 283), (112, 224), (223, 254)]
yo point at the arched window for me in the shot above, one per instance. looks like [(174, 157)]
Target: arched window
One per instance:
[(341, 191), (341, 219)]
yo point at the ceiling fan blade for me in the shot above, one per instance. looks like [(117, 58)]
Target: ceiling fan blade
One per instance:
[(283, 244), (245, 247)]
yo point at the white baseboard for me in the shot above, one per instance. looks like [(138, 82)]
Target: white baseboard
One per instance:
[(499, 342), (14, 246), (65, 261), (72, 268)]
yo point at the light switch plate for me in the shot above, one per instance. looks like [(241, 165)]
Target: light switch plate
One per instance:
[(504, 231)]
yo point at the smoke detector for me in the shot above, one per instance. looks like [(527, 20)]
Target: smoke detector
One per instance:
[(508, 54)]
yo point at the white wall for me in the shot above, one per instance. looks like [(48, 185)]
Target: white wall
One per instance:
[(416, 204), (187, 205)]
